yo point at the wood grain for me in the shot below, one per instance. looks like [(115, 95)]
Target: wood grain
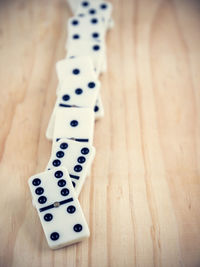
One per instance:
[(142, 200)]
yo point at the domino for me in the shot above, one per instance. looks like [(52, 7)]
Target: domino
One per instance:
[(74, 123), (81, 67), (76, 157), (98, 113), (57, 205), (79, 92), (85, 28), (74, 5), (93, 8)]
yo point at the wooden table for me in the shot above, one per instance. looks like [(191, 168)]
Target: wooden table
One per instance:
[(142, 200)]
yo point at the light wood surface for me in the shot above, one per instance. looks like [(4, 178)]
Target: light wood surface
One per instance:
[(142, 200)]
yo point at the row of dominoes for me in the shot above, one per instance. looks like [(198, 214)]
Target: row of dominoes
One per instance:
[(55, 191)]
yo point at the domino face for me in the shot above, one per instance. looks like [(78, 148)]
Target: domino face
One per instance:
[(78, 92), (76, 157), (58, 208), (85, 28), (74, 67), (74, 123), (98, 113), (93, 8)]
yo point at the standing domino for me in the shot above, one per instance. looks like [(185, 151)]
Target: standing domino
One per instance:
[(58, 208)]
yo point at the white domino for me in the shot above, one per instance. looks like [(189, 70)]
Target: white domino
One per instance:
[(58, 208), (74, 5), (74, 123), (79, 92), (97, 7), (98, 113), (74, 67), (85, 29), (84, 34), (76, 157)]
